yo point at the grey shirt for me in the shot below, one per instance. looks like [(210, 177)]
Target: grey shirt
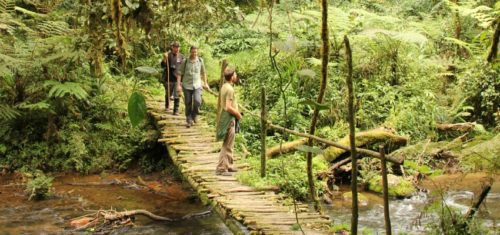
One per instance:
[(191, 73)]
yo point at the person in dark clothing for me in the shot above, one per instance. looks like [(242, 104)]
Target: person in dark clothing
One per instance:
[(170, 64)]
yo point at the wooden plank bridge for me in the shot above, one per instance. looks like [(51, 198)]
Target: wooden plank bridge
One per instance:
[(244, 209)]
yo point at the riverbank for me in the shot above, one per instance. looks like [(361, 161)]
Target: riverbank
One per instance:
[(75, 195)]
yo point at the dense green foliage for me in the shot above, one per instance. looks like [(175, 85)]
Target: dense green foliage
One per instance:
[(67, 70)]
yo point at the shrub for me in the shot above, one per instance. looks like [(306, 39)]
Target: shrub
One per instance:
[(39, 187)]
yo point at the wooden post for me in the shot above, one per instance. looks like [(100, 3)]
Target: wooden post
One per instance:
[(385, 190), (352, 139), (221, 82), (263, 132)]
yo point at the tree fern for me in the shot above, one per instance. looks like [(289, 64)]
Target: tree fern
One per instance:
[(484, 15), (60, 90)]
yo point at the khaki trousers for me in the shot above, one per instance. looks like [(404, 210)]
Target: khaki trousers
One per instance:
[(226, 153)]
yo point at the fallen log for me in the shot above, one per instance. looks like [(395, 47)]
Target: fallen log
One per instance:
[(284, 148), (125, 214), (462, 127), (105, 219), (362, 139)]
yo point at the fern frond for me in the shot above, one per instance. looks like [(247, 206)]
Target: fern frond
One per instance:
[(59, 90), (409, 37), (372, 20), (7, 6), (460, 43), (7, 112), (53, 28), (40, 106)]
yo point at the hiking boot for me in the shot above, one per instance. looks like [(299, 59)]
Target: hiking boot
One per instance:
[(232, 169), (175, 113), (189, 123)]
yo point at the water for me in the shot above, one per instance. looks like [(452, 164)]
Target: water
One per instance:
[(171, 199), (53, 216), (409, 215)]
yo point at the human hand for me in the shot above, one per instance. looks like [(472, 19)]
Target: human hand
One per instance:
[(206, 87), (179, 88)]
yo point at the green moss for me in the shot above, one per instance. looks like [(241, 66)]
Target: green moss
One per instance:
[(481, 155), (401, 187), (364, 138)]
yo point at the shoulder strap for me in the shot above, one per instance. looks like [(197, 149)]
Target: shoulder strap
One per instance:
[(184, 72)]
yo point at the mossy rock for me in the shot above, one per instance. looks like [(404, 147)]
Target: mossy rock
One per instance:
[(481, 154), (362, 139), (398, 186), (362, 199)]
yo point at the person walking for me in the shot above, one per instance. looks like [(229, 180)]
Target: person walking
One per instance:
[(170, 64), (191, 78), (228, 123)]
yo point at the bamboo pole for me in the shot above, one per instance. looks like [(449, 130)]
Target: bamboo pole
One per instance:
[(263, 132), (385, 190), (352, 138)]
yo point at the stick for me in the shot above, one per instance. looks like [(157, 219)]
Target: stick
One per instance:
[(352, 139), (386, 191), (263, 132), (477, 203)]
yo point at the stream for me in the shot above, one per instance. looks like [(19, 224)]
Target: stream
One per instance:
[(409, 215), (75, 194)]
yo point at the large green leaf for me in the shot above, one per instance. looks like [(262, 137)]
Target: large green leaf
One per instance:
[(136, 108), (315, 104)]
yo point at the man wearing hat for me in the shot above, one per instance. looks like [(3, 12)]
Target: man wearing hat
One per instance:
[(171, 63)]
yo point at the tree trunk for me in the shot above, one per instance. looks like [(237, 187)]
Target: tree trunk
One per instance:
[(352, 139), (387, 218), (494, 45), (263, 132), (120, 41), (458, 25), (324, 73), (364, 138), (95, 52)]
